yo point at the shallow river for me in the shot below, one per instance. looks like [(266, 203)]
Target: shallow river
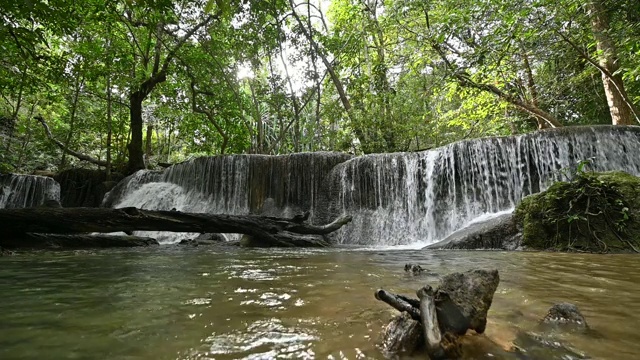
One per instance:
[(199, 303)]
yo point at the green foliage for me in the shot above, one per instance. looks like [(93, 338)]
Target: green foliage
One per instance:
[(595, 212), (414, 74)]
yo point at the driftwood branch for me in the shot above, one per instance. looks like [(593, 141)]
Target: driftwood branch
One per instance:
[(397, 302), (429, 320)]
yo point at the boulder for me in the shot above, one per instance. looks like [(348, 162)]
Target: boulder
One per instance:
[(472, 293), (460, 303), (51, 203), (191, 242), (497, 233), (595, 212)]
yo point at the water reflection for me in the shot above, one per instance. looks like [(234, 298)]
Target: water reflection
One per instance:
[(196, 303)]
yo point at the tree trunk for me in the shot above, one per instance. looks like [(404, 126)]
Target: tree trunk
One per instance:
[(531, 88), (265, 230), (149, 137), (136, 156), (72, 121), (334, 76), (621, 111), (294, 100), (259, 146), (139, 94), (464, 79), (16, 111), (109, 128)]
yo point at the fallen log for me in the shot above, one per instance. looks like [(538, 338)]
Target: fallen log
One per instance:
[(269, 231), (287, 239), (76, 241)]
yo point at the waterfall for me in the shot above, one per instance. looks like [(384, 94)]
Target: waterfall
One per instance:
[(282, 185), (395, 199), (406, 198), (21, 191)]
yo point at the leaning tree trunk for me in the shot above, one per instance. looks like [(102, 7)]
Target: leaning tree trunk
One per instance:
[(619, 103)]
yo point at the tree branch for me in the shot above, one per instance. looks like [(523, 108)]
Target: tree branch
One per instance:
[(67, 150), (172, 53), (604, 71), (465, 80)]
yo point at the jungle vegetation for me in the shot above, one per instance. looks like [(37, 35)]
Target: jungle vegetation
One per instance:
[(128, 84)]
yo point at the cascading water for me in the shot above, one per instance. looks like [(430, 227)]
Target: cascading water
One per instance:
[(234, 184), (21, 191), (422, 197), (395, 199)]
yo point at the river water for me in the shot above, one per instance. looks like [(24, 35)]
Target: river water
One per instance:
[(224, 303)]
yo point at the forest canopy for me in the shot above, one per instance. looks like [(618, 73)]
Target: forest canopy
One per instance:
[(128, 84)]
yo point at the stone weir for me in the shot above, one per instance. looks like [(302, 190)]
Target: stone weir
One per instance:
[(420, 198), (280, 185), (21, 191)]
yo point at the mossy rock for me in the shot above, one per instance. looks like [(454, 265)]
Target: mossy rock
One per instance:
[(596, 212)]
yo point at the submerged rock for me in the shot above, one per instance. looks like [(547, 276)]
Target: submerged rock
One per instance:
[(498, 233), (529, 346), (286, 239), (413, 269), (565, 314)]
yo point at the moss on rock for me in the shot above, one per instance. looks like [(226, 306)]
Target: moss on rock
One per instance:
[(596, 212)]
